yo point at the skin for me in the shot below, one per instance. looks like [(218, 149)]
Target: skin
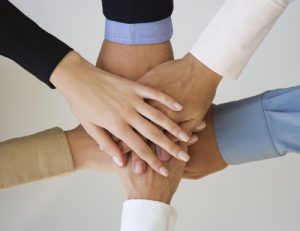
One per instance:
[(150, 185), (132, 62), (190, 82), (94, 96), (205, 156)]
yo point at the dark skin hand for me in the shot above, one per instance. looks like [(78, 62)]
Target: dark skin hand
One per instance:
[(205, 155)]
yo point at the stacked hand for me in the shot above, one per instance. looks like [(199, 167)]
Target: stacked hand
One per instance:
[(191, 83), (105, 103)]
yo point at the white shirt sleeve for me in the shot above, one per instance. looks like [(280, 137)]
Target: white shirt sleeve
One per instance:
[(234, 34), (147, 215)]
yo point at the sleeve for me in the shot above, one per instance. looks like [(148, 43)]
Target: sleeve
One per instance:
[(260, 127), (136, 22), (236, 31), (27, 44), (147, 215), (35, 157)]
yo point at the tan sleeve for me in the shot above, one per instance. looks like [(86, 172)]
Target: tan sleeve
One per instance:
[(35, 157)]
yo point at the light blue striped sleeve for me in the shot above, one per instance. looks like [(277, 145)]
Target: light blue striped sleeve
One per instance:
[(260, 127), (139, 33)]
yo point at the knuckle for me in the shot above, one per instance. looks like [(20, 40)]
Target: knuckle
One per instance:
[(156, 134), (143, 151), (155, 163), (172, 148), (158, 115), (119, 124)]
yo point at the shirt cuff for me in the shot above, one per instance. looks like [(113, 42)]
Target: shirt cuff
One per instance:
[(139, 33), (242, 131), (147, 215), (35, 157), (233, 35)]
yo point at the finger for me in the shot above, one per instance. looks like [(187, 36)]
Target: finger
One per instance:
[(162, 154), (188, 126), (200, 127), (138, 165), (151, 132), (139, 146), (124, 147), (150, 93), (105, 143), (193, 140), (163, 121)]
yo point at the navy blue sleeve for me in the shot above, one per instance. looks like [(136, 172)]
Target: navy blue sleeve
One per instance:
[(24, 42), (137, 11)]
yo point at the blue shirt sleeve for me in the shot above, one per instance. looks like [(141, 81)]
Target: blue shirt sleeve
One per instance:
[(260, 127), (139, 33)]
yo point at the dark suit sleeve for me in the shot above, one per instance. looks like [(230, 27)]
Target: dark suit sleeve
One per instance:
[(27, 44), (137, 11)]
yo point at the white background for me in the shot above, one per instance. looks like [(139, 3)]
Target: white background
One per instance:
[(258, 196)]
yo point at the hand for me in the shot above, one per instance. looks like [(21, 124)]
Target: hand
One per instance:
[(205, 155), (190, 82), (139, 166), (85, 151), (151, 186), (103, 100)]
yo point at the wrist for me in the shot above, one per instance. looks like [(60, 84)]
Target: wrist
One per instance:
[(67, 70), (73, 138), (200, 72), (85, 151), (157, 196)]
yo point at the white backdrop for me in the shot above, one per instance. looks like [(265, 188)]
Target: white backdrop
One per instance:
[(258, 196)]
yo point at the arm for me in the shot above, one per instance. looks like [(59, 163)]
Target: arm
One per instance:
[(223, 49), (149, 196), (256, 128), (234, 34), (24, 42), (45, 56), (130, 61)]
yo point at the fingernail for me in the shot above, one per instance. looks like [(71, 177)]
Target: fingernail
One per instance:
[(183, 136), (118, 161), (177, 106), (139, 167), (201, 126), (162, 154), (183, 156), (164, 171), (101, 148), (158, 150), (193, 139)]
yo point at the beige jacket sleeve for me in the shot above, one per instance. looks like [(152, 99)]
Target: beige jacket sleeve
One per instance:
[(35, 157)]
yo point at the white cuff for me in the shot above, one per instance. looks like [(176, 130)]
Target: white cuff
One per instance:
[(147, 215), (234, 34)]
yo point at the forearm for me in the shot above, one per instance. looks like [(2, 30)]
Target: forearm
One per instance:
[(259, 127), (35, 157), (231, 38), (131, 61), (23, 41)]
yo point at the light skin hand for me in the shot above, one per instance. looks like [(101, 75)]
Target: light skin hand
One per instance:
[(150, 185), (108, 104), (132, 62), (85, 151), (205, 156)]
